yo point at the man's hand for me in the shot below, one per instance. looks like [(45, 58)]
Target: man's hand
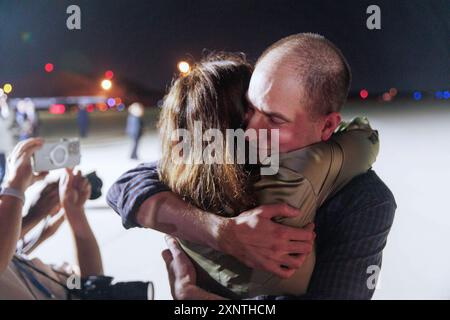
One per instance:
[(259, 242), (20, 173), (182, 275)]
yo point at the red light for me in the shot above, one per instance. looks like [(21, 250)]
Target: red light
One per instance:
[(49, 67), (363, 94), (57, 109), (90, 108), (109, 74)]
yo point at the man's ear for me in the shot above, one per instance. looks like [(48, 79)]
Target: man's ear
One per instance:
[(330, 124)]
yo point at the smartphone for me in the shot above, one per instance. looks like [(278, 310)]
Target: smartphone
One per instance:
[(52, 156)]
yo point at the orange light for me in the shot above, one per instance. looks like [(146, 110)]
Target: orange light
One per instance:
[(184, 67), (106, 84)]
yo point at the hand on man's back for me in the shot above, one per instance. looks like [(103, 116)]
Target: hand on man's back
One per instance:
[(259, 242)]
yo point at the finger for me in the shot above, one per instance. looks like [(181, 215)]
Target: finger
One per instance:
[(293, 233), (292, 261), (68, 178), (167, 257), (173, 245), (77, 180), (28, 150), (278, 270), (298, 247), (279, 210), (29, 143)]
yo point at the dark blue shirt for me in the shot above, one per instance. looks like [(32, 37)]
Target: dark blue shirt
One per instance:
[(352, 229)]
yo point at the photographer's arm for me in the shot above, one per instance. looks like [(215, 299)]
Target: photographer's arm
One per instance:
[(20, 177), (74, 192), (10, 226), (87, 249)]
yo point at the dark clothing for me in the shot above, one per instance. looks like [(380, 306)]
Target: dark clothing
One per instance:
[(83, 122), (134, 131), (2, 167), (134, 126), (352, 229), (134, 151)]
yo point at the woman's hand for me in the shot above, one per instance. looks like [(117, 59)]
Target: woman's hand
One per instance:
[(20, 172)]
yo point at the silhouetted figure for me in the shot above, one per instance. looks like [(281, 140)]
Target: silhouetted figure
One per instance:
[(135, 126), (83, 121), (6, 134)]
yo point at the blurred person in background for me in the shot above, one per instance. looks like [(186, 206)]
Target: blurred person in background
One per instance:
[(135, 126), (83, 121), (6, 133), (27, 119)]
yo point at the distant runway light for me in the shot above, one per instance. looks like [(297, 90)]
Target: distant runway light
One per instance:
[(49, 67), (7, 88), (184, 67), (417, 95), (439, 95), (111, 102), (109, 74), (363, 94), (106, 84), (393, 92), (57, 109), (446, 95), (386, 97)]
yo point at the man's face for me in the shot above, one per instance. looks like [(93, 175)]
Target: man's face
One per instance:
[(276, 101)]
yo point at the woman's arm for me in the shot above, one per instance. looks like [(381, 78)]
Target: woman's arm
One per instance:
[(74, 192)]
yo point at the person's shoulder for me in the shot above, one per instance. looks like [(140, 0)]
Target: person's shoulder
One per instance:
[(364, 191)]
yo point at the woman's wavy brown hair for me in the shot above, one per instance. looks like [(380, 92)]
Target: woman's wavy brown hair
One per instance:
[(213, 92)]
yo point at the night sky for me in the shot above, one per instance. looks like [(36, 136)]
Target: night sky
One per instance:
[(143, 40)]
